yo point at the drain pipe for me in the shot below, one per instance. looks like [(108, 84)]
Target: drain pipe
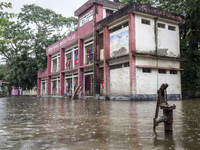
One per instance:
[(156, 44)]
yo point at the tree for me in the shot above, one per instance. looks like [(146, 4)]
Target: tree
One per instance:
[(49, 28), (117, 1), (35, 30), (4, 19), (19, 36)]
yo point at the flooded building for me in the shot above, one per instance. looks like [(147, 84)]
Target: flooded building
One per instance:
[(118, 52)]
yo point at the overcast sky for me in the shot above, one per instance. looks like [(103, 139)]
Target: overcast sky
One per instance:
[(64, 7)]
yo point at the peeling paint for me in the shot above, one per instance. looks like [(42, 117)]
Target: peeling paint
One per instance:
[(120, 52)]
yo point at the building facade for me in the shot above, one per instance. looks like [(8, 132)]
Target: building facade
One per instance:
[(118, 52)]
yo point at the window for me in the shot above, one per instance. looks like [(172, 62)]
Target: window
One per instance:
[(161, 25), (71, 58), (68, 61), (89, 51), (162, 71), (126, 64), (54, 68), (173, 71), (76, 58), (101, 41), (55, 63), (116, 66), (172, 28), (144, 21), (146, 70)]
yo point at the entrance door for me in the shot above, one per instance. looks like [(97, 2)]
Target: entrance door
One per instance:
[(89, 85)]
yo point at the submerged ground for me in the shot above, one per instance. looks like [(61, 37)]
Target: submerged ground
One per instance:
[(30, 123)]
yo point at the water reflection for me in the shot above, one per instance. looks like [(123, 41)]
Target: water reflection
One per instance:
[(51, 123)]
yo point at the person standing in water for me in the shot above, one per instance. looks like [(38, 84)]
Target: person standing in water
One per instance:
[(80, 91)]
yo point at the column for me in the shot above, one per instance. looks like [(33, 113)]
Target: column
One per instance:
[(132, 59), (48, 75), (62, 68), (96, 65), (106, 47), (80, 62), (38, 86)]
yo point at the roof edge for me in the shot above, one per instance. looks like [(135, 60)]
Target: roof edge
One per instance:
[(141, 8), (89, 3)]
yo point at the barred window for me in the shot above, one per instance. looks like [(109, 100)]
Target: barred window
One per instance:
[(161, 25), (115, 66), (172, 28), (162, 71), (146, 70), (173, 71), (144, 21)]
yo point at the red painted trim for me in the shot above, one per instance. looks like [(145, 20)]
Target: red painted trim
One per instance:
[(106, 46), (70, 70), (39, 86), (62, 75), (80, 61), (48, 77), (132, 47), (86, 66), (72, 37)]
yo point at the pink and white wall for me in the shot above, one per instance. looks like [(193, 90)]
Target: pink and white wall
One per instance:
[(126, 53)]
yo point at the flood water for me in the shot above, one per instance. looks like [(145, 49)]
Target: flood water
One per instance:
[(51, 123)]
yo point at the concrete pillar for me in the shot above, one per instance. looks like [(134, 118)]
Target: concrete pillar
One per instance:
[(62, 68), (132, 59), (96, 66), (106, 41), (48, 75), (38, 86), (80, 61)]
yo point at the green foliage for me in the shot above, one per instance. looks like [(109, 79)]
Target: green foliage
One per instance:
[(24, 42), (117, 1), (4, 20)]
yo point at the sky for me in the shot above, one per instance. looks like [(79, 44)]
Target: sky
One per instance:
[(64, 7)]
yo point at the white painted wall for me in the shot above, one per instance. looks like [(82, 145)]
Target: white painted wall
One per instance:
[(157, 63), (120, 81), (168, 39), (148, 83), (145, 38), (168, 63)]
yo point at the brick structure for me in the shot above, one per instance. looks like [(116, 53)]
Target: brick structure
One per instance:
[(118, 52)]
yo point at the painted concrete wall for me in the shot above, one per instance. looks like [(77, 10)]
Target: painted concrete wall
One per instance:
[(145, 38), (168, 40), (148, 83), (29, 92), (120, 81), (157, 63), (119, 44)]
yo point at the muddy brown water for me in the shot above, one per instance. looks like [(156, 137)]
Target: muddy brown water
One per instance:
[(30, 123)]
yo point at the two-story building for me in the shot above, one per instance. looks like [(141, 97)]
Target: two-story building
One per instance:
[(118, 51)]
